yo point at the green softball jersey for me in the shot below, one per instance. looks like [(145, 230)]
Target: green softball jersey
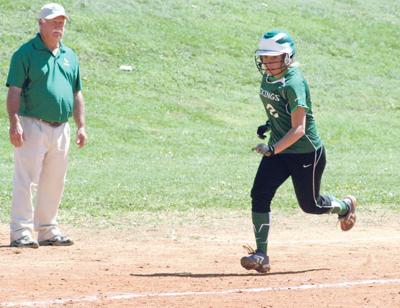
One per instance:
[(48, 81), (283, 96)]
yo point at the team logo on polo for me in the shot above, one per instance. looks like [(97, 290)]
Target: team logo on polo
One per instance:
[(66, 62), (269, 95)]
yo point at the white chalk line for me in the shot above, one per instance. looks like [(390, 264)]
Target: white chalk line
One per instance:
[(126, 296)]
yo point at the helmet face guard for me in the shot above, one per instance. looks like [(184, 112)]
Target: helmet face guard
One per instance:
[(264, 68), (275, 43)]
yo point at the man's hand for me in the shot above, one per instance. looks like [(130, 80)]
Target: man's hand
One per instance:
[(81, 137), (16, 134), (262, 129), (264, 149)]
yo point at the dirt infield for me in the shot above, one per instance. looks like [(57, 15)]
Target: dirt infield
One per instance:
[(192, 260)]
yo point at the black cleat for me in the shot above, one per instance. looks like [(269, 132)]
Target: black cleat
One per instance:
[(58, 240), (257, 260), (24, 242)]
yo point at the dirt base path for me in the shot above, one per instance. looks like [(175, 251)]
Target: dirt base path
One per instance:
[(193, 261)]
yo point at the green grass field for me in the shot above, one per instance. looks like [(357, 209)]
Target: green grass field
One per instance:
[(176, 132)]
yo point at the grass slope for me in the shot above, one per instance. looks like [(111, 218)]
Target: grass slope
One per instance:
[(176, 132)]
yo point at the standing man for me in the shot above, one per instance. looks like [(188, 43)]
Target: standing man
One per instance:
[(44, 90)]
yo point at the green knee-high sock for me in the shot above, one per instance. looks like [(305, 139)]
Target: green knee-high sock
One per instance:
[(338, 206), (261, 222)]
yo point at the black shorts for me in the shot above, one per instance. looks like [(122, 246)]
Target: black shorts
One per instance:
[(306, 172)]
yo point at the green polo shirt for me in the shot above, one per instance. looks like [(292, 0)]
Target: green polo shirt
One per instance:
[(48, 81)]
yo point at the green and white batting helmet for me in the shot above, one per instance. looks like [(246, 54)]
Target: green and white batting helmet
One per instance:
[(275, 43)]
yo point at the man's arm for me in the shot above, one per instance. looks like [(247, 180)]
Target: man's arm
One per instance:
[(79, 118), (13, 101)]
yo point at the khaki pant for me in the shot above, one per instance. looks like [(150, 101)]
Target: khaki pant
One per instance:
[(39, 171)]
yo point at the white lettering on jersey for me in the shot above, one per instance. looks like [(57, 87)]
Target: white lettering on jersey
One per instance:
[(269, 95)]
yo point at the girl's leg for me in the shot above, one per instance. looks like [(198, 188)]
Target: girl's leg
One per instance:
[(271, 173), (306, 170)]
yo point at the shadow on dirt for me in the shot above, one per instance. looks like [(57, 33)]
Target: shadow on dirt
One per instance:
[(192, 275)]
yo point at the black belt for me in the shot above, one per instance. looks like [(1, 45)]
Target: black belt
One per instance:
[(52, 124)]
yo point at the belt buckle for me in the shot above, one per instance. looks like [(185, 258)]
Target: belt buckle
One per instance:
[(52, 124)]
